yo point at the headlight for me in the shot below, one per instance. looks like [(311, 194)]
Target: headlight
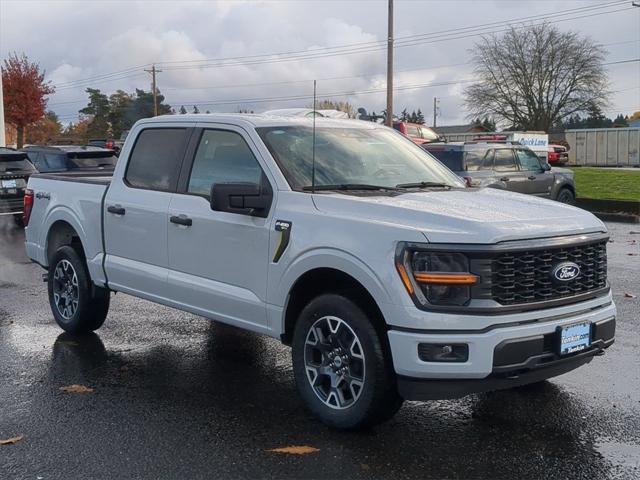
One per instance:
[(436, 278)]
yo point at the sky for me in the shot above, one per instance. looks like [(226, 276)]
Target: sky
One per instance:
[(258, 55)]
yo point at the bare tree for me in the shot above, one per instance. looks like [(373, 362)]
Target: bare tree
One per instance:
[(534, 77)]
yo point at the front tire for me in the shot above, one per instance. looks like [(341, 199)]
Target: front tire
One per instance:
[(565, 195), (78, 306), (342, 369)]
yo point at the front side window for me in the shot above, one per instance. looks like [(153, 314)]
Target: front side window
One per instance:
[(528, 160), (373, 156), (222, 157), (504, 161), (156, 158)]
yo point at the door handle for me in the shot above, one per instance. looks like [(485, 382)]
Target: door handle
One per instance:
[(504, 179), (116, 209), (532, 177), (181, 220)]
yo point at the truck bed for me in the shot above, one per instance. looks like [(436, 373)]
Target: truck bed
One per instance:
[(99, 178)]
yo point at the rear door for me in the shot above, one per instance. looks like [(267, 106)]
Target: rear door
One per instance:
[(506, 170), (135, 216), (539, 181), (218, 261)]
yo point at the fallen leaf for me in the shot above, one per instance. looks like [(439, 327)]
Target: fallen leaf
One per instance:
[(629, 295), (364, 466), (295, 450), (12, 440), (76, 389)]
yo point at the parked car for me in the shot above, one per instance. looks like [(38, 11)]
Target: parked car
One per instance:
[(558, 155), (505, 165), (109, 144), (418, 133), (66, 158), (388, 277), (15, 170)]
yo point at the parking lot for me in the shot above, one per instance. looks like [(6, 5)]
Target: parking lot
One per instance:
[(178, 396)]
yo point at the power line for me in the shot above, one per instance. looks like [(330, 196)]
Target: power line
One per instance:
[(362, 47)]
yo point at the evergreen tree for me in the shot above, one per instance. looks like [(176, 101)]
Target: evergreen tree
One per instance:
[(420, 117), (195, 109), (182, 110)]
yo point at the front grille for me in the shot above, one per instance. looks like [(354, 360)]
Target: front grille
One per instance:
[(525, 277)]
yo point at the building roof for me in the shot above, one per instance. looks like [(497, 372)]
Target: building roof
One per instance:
[(449, 129)]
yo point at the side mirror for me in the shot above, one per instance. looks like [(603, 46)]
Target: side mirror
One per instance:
[(546, 167), (242, 198)]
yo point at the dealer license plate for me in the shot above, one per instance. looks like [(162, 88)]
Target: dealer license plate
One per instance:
[(9, 184), (575, 338)]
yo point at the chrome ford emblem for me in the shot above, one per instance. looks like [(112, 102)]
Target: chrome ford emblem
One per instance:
[(566, 271)]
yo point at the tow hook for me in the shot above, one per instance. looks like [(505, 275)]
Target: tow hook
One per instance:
[(45, 277), (600, 352)]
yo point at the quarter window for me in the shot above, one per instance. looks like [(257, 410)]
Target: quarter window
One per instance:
[(222, 157), (156, 158)]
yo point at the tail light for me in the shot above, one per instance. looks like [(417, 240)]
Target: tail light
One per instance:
[(109, 144), (27, 206)]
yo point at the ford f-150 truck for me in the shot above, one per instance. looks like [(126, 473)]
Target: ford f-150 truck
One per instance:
[(387, 276)]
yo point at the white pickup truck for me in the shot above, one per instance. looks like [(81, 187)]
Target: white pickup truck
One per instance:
[(389, 278)]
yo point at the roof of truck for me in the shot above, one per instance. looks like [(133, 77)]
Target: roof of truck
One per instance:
[(260, 120)]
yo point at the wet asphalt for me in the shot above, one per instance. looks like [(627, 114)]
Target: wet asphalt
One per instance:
[(177, 396)]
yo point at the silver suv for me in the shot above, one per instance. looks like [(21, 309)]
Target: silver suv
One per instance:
[(505, 165)]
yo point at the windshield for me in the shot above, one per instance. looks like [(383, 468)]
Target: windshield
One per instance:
[(352, 156)]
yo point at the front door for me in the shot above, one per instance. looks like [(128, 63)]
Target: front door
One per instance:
[(539, 181), (507, 171), (135, 216), (218, 260)]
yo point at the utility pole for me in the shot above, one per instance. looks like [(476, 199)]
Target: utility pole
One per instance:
[(153, 72), (435, 110), (390, 66)]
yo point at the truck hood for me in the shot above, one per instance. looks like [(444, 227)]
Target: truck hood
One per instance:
[(465, 216)]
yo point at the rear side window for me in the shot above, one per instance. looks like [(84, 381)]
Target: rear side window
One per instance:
[(413, 131), (156, 158), (504, 161), (451, 158), (222, 157)]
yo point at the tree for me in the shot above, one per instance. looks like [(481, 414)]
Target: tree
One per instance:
[(142, 105), (46, 130), (120, 112), (98, 110), (634, 116), (25, 93), (535, 77), (345, 107), (621, 121), (419, 117), (195, 109), (183, 110), (489, 124), (404, 115)]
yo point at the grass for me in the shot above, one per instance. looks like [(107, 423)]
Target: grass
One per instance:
[(607, 184)]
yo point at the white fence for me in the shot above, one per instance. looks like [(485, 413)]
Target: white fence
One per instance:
[(613, 147)]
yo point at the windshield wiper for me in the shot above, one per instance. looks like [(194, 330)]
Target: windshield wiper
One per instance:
[(348, 186), (423, 185)]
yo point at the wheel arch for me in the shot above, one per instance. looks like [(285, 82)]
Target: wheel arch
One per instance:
[(319, 280), (61, 233)]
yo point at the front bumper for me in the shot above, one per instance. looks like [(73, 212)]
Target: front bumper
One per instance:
[(500, 356)]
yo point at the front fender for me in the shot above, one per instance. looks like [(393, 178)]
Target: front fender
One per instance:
[(329, 258)]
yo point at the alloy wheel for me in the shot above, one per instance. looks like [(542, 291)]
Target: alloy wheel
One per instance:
[(334, 362), (65, 289)]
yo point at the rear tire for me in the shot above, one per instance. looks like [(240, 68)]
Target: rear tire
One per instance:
[(565, 195), (78, 306), (17, 219), (342, 369)]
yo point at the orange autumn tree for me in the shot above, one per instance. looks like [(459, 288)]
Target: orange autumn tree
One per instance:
[(25, 93)]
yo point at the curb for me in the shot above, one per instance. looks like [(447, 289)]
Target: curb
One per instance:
[(613, 206), (617, 217)]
